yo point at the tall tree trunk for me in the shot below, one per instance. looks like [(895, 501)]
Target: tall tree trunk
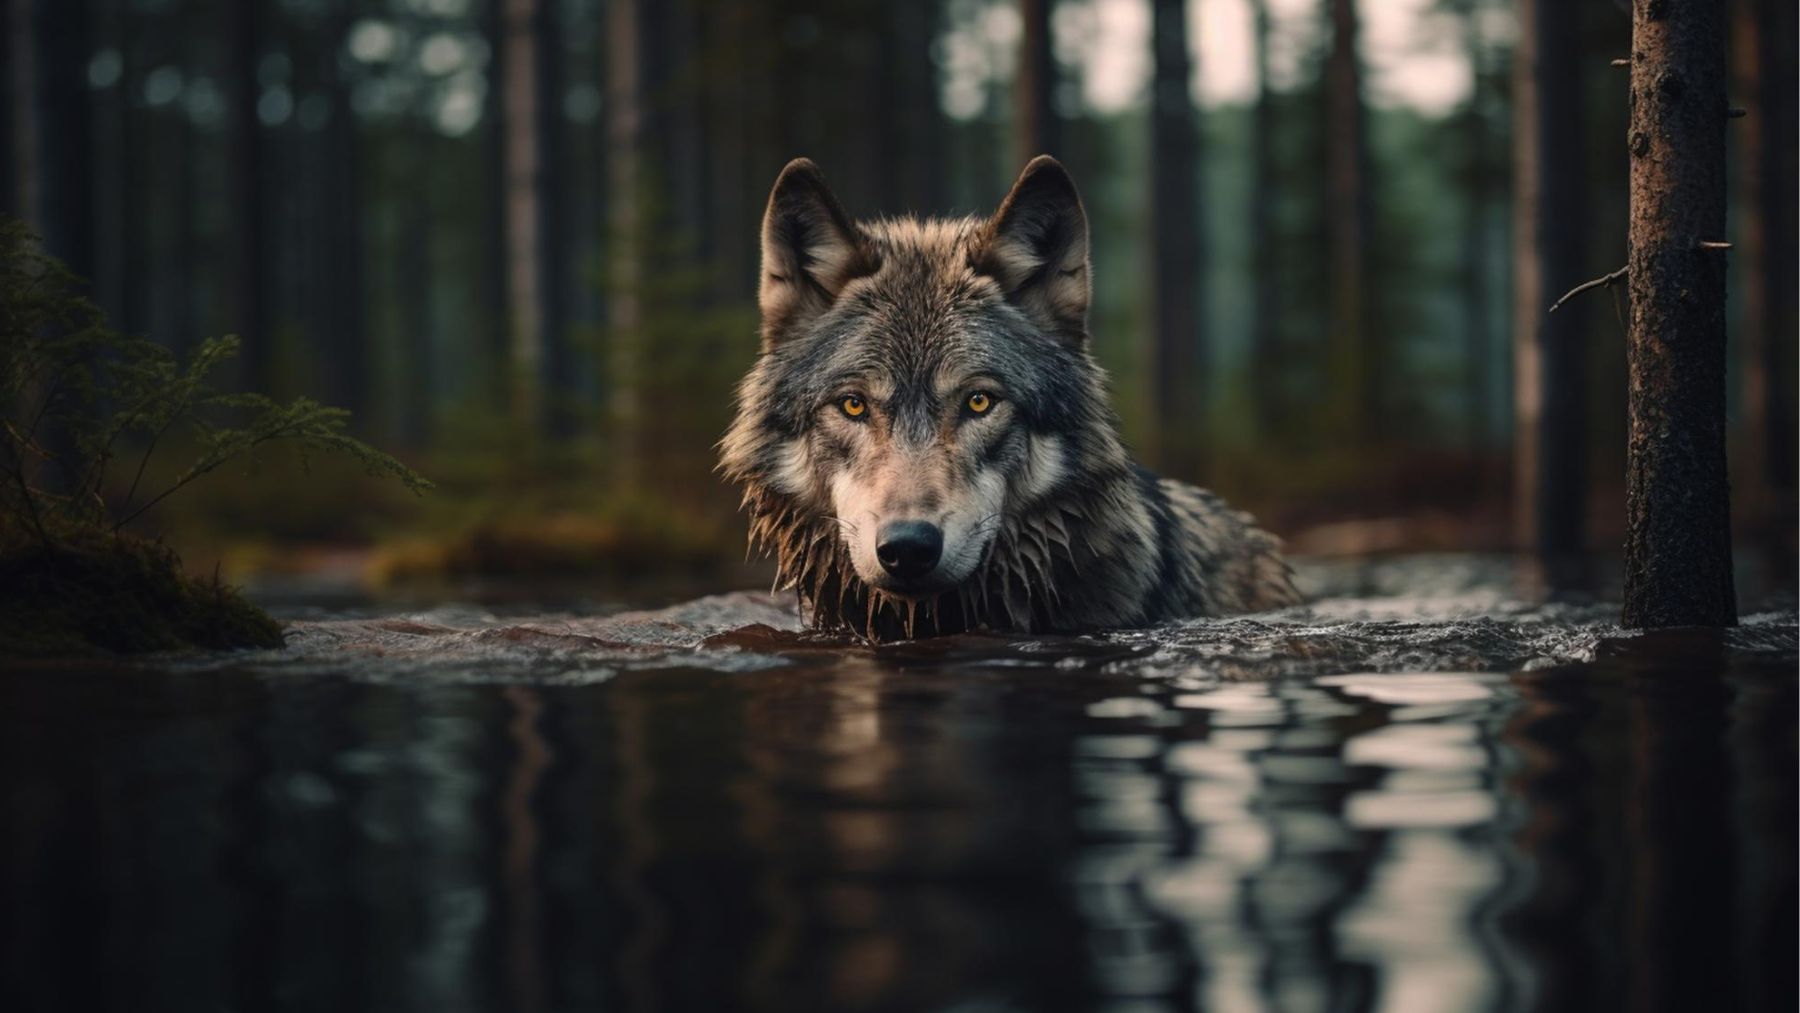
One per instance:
[(625, 137), (1175, 275), (496, 350), (249, 210), (1036, 129), (412, 286), (18, 62), (1678, 519), (348, 340), (1478, 189), (923, 187), (1265, 356), (524, 217), (557, 378), (1549, 239), (63, 124), (1354, 358), (1766, 137)]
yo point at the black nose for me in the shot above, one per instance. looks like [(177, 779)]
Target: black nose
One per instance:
[(909, 549)]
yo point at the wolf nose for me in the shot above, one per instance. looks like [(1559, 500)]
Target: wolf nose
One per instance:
[(909, 549)]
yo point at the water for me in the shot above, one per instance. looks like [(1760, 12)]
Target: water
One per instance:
[(1446, 800)]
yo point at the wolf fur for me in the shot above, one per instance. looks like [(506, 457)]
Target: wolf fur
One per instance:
[(1046, 522)]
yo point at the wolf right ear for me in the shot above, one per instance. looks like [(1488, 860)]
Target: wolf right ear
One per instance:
[(810, 251), (1036, 247)]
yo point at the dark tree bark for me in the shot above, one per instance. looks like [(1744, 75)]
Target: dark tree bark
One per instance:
[(412, 284), (556, 377), (1175, 275), (63, 127), (524, 216), (1478, 188), (249, 211), (1265, 309), (1550, 248), (348, 340), (18, 62), (1355, 356), (1036, 130), (625, 102), (496, 349), (1678, 518), (1762, 29), (913, 157)]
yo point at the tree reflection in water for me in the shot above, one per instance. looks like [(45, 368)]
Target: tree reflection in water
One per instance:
[(1050, 825)]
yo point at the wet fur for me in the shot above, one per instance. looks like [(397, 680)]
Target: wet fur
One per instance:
[(1084, 538)]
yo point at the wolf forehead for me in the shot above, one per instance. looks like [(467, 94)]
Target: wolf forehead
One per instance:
[(924, 321)]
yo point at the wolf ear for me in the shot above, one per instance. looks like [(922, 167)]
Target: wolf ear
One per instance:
[(810, 251), (1036, 247)]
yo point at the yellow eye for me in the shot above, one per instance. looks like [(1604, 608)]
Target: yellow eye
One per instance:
[(979, 402), (854, 406)]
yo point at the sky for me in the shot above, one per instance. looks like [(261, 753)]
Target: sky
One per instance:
[(1413, 56)]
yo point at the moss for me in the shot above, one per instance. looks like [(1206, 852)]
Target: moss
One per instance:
[(93, 594)]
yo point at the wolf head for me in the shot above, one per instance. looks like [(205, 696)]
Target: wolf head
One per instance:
[(924, 387)]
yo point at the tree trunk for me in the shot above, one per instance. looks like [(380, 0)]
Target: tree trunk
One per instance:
[(1036, 130), (249, 211), (412, 286), (1175, 274), (349, 330), (1766, 249), (624, 133), (1355, 369), (1550, 244), (64, 134), (1265, 355), (556, 378), (18, 62), (1678, 520), (1478, 190), (524, 217), (496, 348)]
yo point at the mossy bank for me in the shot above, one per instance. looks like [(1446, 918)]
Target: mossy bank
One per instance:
[(109, 594)]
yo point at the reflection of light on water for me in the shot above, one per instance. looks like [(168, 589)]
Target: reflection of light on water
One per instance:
[(1411, 687), (1414, 922), (1278, 786)]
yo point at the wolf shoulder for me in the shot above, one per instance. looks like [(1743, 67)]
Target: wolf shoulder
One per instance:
[(1215, 560)]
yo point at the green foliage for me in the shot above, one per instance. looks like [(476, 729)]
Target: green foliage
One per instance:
[(76, 395), (77, 392)]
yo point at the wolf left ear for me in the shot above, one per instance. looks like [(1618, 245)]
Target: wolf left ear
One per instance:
[(810, 251), (1036, 247)]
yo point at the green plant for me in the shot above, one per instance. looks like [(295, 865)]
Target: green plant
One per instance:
[(78, 393), (82, 407)]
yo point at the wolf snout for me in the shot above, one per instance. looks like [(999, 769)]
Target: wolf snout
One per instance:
[(909, 549)]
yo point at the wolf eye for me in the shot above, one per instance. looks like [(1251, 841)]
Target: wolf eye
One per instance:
[(854, 406), (980, 401)]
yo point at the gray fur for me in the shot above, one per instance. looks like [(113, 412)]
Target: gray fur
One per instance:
[(1056, 528)]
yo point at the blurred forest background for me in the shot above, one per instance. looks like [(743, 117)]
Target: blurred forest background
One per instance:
[(518, 238)]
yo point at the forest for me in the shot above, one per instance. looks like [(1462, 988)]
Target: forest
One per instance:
[(376, 624), (518, 239)]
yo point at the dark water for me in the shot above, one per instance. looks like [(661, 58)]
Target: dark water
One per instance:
[(1442, 801)]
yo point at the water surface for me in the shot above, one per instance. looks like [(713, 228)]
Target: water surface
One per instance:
[(1442, 800)]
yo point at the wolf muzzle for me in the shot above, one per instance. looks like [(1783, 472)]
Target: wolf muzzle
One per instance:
[(908, 550)]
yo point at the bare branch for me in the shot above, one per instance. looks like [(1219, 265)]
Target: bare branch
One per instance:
[(1712, 244), (1605, 281)]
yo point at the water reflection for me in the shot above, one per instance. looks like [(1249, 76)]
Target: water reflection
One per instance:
[(984, 828)]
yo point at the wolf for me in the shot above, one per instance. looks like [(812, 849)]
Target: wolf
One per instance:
[(926, 444)]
